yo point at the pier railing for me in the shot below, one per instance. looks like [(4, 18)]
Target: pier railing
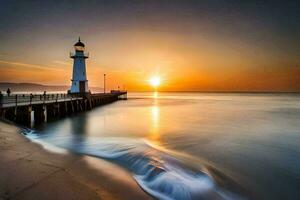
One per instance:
[(14, 100), (28, 99)]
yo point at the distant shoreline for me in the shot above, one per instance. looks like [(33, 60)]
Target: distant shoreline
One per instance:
[(33, 87)]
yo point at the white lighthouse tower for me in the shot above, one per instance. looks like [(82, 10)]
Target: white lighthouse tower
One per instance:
[(79, 78)]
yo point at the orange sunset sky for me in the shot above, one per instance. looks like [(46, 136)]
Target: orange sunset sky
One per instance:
[(191, 47)]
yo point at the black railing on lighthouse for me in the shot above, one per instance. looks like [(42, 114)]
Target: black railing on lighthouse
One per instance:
[(85, 54)]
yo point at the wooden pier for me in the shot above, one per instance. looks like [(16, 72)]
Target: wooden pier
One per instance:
[(29, 109)]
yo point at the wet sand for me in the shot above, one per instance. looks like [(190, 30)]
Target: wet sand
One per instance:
[(28, 171)]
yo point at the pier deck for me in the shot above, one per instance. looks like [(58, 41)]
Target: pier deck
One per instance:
[(29, 109)]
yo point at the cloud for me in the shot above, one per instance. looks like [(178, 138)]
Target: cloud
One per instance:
[(31, 66), (62, 62)]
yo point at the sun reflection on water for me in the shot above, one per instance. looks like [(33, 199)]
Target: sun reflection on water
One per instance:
[(155, 116), (155, 96)]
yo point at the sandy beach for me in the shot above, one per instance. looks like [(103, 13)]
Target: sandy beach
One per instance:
[(28, 171)]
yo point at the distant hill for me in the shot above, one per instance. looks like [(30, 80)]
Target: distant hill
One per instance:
[(33, 87)]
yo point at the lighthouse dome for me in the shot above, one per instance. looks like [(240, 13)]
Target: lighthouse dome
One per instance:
[(79, 46)]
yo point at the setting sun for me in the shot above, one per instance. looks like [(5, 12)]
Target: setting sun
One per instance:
[(155, 81)]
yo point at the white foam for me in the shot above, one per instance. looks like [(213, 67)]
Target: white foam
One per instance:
[(158, 173)]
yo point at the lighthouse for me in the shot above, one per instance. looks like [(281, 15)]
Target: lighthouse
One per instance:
[(79, 78)]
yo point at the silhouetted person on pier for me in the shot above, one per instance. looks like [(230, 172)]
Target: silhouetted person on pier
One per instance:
[(44, 96), (8, 92)]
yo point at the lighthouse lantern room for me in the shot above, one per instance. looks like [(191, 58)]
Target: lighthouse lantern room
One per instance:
[(79, 78)]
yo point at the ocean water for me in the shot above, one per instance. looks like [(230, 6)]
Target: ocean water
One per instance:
[(193, 145)]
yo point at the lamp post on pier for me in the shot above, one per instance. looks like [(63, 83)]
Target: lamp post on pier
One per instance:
[(104, 83)]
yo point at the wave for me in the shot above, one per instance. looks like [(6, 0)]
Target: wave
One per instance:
[(158, 172)]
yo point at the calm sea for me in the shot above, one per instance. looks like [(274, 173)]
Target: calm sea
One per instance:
[(193, 145)]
